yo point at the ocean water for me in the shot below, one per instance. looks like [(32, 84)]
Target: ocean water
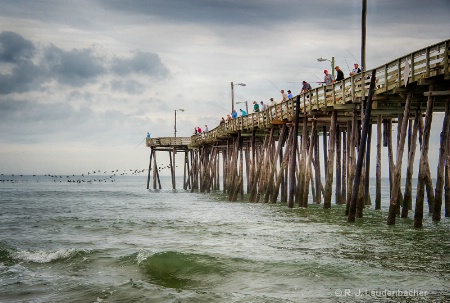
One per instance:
[(112, 240)]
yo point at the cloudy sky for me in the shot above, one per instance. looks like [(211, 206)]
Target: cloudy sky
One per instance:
[(82, 82)]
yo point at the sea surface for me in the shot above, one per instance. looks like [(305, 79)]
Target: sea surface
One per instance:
[(111, 240)]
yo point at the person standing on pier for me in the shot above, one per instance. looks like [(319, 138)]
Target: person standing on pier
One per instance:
[(284, 96), (229, 117), (255, 107), (195, 131), (148, 135), (243, 113), (327, 79), (234, 114), (289, 95), (340, 74), (356, 70), (263, 106), (206, 128), (272, 102), (306, 87)]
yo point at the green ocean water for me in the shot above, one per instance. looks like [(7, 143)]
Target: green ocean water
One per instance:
[(115, 241)]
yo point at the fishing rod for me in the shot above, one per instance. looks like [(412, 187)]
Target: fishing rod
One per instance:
[(221, 108), (356, 61), (140, 143), (273, 84), (347, 64)]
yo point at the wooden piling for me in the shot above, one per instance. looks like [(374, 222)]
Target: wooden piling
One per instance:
[(308, 162), (294, 152), (344, 168), (317, 164), (338, 188), (361, 150), (398, 165), (447, 180), (149, 168), (407, 198), (440, 167), (418, 215), (378, 166), (330, 166)]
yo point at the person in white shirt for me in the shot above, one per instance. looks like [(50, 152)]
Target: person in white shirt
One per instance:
[(356, 70), (263, 106), (284, 96)]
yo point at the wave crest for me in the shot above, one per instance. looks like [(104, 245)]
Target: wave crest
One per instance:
[(42, 256), (182, 270)]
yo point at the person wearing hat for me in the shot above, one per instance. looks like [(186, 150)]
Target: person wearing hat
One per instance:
[(356, 70), (255, 107), (327, 79), (289, 95)]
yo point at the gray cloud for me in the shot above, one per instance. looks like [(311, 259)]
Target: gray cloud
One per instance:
[(141, 63), (14, 48), (132, 87), (25, 76), (76, 67)]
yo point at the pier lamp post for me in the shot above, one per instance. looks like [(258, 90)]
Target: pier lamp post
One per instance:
[(175, 125), (332, 63), (246, 105), (232, 93)]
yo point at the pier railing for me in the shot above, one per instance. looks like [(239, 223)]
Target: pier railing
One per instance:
[(424, 63), (168, 141)]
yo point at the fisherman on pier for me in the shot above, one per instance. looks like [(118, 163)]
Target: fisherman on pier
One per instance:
[(356, 70), (234, 114), (327, 79), (340, 74), (306, 87)]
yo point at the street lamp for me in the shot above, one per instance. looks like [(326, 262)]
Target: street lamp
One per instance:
[(175, 125), (246, 105), (232, 93), (332, 63)]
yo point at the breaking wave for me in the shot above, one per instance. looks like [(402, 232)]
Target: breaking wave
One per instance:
[(41, 256), (182, 270)]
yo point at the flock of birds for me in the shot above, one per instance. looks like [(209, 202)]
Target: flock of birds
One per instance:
[(89, 177)]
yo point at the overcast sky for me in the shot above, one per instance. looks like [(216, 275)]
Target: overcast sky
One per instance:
[(82, 82)]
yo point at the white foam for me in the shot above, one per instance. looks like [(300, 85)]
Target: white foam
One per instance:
[(43, 256)]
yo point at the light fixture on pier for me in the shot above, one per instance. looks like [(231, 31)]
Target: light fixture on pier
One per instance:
[(175, 125), (246, 105), (232, 93), (332, 63)]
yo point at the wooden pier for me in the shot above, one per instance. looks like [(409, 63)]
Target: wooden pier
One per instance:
[(274, 155)]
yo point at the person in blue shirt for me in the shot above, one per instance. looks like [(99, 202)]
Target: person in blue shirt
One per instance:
[(289, 94), (148, 135), (243, 113), (234, 114)]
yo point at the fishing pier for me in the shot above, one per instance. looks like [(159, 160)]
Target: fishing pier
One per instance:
[(276, 155)]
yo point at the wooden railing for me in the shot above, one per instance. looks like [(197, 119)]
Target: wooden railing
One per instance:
[(168, 141), (424, 63)]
